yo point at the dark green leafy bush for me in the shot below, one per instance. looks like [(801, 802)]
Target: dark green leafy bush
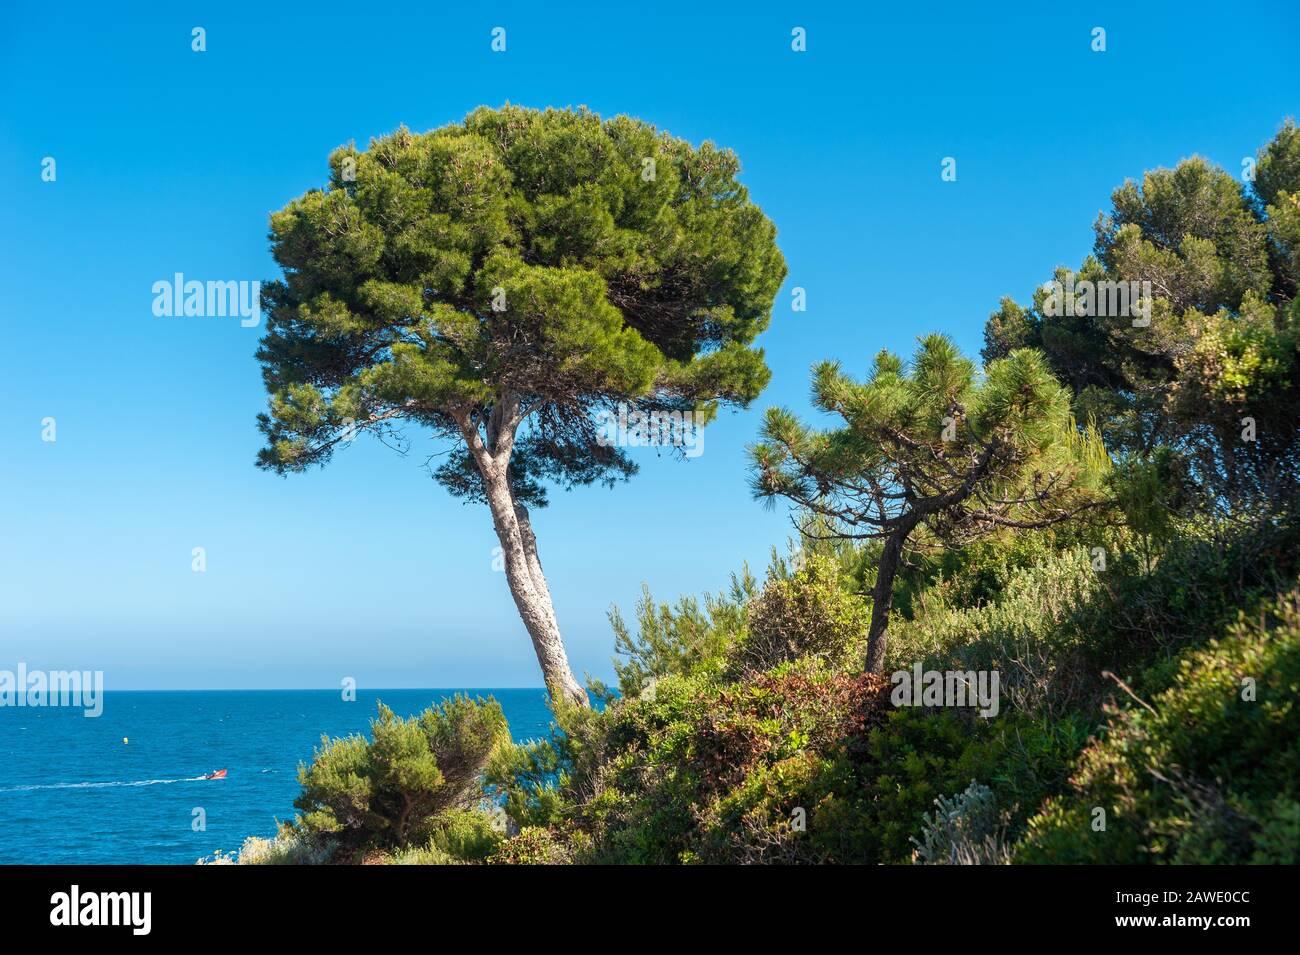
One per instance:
[(394, 790), (809, 613), (1203, 773)]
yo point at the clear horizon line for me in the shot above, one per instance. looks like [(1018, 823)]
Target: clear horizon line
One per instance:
[(310, 689)]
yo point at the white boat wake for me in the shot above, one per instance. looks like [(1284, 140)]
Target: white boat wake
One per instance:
[(102, 785)]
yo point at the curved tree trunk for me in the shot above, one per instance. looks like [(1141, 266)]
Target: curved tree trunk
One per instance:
[(528, 587), (519, 546), (529, 541), (882, 597)]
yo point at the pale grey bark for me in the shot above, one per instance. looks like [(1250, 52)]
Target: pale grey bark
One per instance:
[(519, 548), (534, 562)]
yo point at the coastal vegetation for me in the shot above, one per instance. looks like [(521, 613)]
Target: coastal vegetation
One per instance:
[(1104, 512)]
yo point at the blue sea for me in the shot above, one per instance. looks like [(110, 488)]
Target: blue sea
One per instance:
[(72, 792)]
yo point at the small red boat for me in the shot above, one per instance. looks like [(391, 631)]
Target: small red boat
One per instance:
[(215, 774)]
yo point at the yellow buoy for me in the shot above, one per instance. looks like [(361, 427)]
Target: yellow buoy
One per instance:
[(125, 741)]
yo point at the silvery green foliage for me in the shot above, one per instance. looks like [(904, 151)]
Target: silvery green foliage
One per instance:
[(965, 829), (289, 846)]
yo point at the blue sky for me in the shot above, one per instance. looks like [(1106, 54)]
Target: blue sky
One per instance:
[(170, 161)]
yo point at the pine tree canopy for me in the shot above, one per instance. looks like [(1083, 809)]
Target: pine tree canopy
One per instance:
[(517, 271), (1214, 374), (932, 444)]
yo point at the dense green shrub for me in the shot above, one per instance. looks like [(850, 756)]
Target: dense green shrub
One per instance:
[(1036, 636), (533, 846), (1202, 773), (1208, 575), (394, 790), (679, 638), (458, 836), (808, 613), (805, 766), (979, 572), (712, 771), (542, 779)]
